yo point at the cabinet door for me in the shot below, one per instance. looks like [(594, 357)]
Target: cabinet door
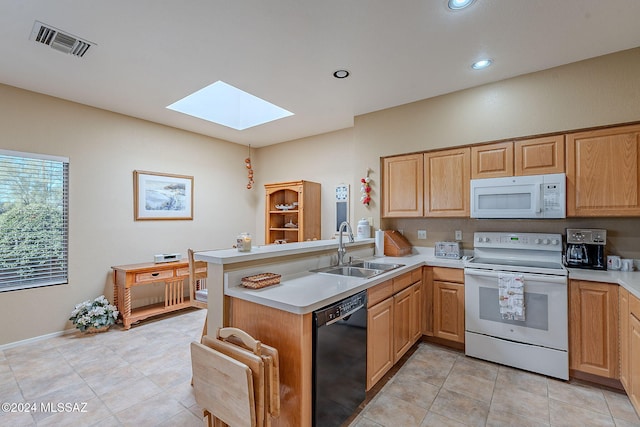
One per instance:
[(593, 328), (402, 186), (634, 359), (379, 341), (492, 160), (427, 313), (417, 301), (448, 311), (539, 155), (446, 187), (603, 172), (623, 294), (402, 334)]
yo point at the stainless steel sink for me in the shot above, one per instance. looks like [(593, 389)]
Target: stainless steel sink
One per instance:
[(375, 265), (363, 269)]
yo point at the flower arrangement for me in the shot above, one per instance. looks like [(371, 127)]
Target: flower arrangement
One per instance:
[(365, 189), (94, 314)]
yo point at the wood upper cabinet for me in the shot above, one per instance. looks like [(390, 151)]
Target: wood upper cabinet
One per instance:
[(492, 160), (603, 172), (539, 155), (402, 186), (446, 190), (593, 328), (526, 157), (623, 296), (448, 304)]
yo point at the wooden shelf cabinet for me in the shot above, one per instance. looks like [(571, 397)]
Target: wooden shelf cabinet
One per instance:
[(593, 328), (492, 160), (302, 222), (603, 172), (394, 322)]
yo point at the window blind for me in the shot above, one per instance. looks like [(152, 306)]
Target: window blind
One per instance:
[(34, 217)]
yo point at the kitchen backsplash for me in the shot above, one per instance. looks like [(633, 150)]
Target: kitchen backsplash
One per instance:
[(623, 234)]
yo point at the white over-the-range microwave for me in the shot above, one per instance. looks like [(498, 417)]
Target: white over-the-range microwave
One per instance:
[(534, 196)]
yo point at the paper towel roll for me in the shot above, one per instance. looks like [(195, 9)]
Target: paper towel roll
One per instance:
[(379, 242)]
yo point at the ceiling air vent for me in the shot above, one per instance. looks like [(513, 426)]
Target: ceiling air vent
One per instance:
[(58, 40)]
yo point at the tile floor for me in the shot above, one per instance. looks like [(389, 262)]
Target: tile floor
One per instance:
[(141, 377)]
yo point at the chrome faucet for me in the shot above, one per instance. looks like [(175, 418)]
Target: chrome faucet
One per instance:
[(341, 249)]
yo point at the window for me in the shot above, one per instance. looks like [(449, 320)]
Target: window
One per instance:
[(33, 220)]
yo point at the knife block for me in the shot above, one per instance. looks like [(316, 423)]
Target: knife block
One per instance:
[(395, 244)]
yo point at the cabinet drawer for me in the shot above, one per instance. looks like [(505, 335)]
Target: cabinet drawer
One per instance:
[(448, 274), (379, 293), (401, 282), (634, 306), (153, 276), (416, 275), (185, 271)]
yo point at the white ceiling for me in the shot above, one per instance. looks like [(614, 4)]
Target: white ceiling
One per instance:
[(151, 53)]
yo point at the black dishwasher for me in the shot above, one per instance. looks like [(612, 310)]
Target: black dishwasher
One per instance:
[(339, 360)]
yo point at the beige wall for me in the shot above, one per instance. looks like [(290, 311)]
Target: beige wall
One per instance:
[(600, 91), (104, 150)]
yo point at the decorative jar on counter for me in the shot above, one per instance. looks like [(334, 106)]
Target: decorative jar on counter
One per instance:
[(243, 242)]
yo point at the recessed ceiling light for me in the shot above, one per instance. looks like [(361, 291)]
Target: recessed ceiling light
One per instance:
[(482, 64), (459, 4), (341, 74), (229, 106)]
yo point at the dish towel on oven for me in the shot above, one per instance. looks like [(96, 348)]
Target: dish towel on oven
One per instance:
[(511, 296)]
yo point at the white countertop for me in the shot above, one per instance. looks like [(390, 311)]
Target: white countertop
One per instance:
[(231, 256), (630, 280), (304, 292)]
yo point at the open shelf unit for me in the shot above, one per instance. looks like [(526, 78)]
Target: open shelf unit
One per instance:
[(299, 223)]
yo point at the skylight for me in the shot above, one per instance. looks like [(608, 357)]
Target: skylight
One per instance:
[(229, 106)]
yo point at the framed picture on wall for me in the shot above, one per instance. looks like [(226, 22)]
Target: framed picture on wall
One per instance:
[(161, 196)]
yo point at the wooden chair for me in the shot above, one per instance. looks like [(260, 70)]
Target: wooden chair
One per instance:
[(198, 294)]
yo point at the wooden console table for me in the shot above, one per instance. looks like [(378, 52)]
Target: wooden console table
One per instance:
[(172, 274)]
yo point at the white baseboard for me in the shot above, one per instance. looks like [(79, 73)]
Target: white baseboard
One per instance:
[(36, 339)]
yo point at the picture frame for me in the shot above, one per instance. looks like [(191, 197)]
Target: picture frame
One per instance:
[(162, 196)]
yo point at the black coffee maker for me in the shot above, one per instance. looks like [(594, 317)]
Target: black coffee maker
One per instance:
[(585, 249)]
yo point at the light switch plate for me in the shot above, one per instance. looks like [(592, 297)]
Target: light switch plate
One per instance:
[(458, 235)]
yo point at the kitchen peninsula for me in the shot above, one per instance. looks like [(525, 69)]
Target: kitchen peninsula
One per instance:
[(281, 315)]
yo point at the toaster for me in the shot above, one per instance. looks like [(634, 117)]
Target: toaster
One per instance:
[(451, 250)]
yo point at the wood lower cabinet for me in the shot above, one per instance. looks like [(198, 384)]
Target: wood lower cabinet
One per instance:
[(623, 299), (593, 328), (446, 189), (448, 311), (603, 172), (402, 186), (633, 389), (394, 322), (380, 352)]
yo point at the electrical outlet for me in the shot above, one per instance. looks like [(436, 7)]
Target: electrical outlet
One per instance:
[(458, 235), (422, 234)]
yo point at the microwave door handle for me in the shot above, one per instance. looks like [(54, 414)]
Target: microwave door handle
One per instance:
[(537, 196)]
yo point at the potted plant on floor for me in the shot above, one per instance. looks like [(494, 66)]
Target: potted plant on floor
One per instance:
[(94, 316)]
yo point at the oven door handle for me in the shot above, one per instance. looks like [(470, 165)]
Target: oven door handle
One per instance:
[(547, 278)]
